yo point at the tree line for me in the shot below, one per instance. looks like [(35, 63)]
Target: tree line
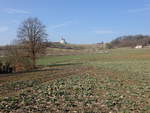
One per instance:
[(130, 41)]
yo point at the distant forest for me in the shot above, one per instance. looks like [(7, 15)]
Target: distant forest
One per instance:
[(130, 41)]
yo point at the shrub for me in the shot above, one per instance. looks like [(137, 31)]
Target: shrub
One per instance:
[(109, 46), (17, 59), (1, 64)]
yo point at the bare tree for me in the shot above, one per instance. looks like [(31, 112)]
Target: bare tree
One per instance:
[(32, 35)]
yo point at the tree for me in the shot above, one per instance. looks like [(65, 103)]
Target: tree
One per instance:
[(32, 35)]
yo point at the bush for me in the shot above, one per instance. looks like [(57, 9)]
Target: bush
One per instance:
[(1, 64), (17, 58), (24, 64), (109, 46)]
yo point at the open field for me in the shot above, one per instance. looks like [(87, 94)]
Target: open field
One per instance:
[(114, 82)]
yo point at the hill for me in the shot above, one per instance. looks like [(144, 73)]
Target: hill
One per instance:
[(130, 41), (54, 48)]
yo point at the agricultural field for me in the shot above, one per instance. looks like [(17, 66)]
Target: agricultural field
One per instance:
[(114, 82)]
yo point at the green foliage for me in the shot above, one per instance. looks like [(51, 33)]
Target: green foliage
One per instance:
[(62, 94), (17, 85)]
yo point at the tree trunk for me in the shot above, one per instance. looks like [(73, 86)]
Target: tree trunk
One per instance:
[(33, 62)]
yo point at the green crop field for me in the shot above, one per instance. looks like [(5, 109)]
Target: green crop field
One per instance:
[(116, 81)]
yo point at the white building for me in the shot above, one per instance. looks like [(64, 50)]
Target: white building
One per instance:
[(63, 41), (138, 46)]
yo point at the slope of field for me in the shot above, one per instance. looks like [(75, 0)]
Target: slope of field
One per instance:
[(71, 49), (115, 82)]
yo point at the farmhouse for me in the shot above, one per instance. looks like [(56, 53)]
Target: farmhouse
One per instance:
[(138, 46), (101, 44)]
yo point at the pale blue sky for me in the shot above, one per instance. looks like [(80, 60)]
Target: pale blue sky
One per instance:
[(78, 21)]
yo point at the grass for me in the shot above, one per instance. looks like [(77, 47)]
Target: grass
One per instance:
[(117, 82)]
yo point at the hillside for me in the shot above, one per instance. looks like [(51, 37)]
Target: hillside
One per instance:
[(131, 41), (72, 46), (72, 49)]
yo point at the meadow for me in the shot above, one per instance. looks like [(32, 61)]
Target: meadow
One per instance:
[(116, 81)]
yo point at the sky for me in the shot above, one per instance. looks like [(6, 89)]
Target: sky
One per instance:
[(78, 21)]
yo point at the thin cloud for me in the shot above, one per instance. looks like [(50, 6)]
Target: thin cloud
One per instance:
[(3, 29), (100, 32), (15, 11), (61, 25), (146, 8), (14, 21)]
